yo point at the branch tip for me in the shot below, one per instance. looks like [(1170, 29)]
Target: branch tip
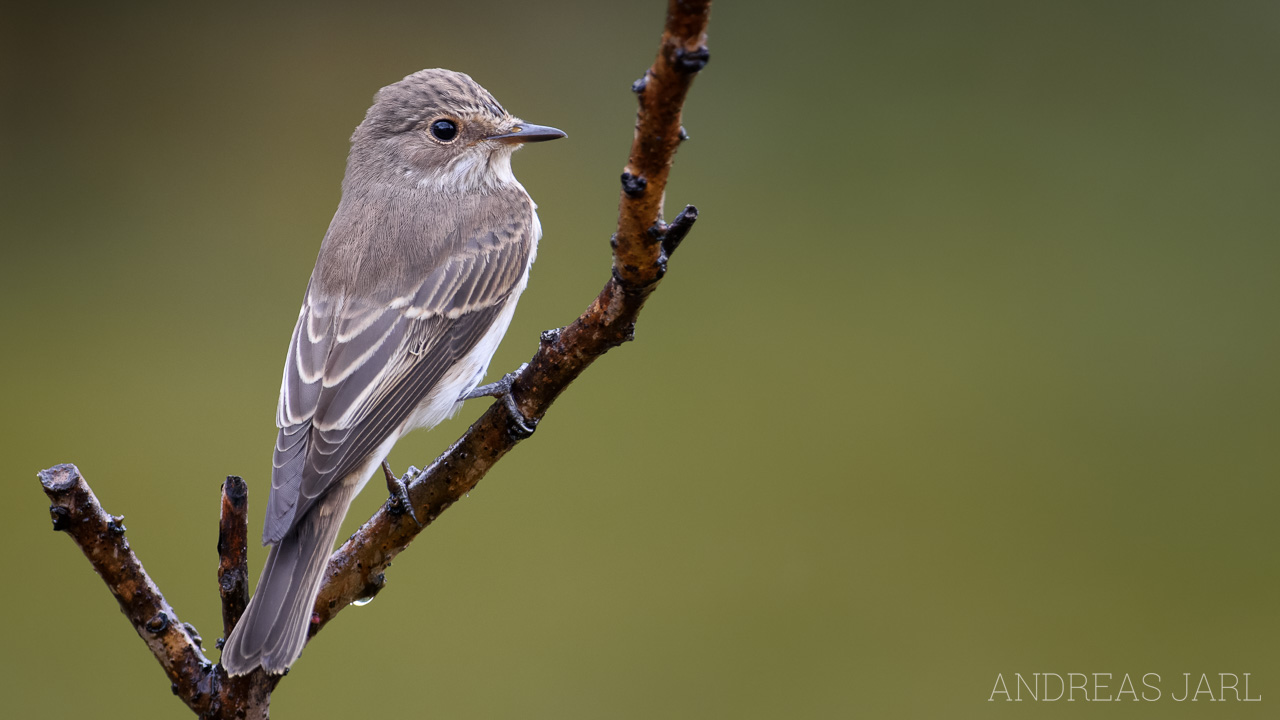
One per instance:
[(59, 478), (678, 229), (236, 490)]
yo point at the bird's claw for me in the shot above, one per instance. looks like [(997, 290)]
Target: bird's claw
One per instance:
[(399, 502), (501, 389)]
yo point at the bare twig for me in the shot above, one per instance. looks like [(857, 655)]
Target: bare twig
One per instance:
[(101, 537), (233, 553), (641, 245)]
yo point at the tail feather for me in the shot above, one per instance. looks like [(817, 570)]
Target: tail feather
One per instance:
[(274, 627)]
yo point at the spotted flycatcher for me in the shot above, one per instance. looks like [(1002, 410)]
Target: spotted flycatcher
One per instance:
[(415, 285)]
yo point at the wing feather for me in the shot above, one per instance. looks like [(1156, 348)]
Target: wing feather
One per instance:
[(357, 367)]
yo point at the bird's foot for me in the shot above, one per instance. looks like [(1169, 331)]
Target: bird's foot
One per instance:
[(399, 502), (501, 389), (496, 389)]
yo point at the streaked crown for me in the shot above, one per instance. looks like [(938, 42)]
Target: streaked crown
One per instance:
[(426, 94)]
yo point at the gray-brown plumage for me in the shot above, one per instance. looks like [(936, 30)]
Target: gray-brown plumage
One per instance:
[(415, 284)]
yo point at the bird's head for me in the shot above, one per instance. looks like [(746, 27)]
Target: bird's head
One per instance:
[(440, 129)]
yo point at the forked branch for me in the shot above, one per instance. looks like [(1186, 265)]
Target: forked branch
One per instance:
[(642, 245)]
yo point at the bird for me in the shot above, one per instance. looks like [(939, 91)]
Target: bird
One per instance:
[(414, 286)]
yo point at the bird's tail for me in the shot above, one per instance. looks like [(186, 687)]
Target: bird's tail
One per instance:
[(274, 626)]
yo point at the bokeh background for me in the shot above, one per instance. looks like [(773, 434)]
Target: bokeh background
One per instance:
[(970, 366)]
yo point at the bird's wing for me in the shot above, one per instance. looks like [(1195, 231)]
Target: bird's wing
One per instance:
[(357, 369)]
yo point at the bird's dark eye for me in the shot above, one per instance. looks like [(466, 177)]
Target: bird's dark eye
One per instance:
[(444, 130)]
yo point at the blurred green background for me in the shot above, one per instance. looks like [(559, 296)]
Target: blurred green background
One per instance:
[(970, 366)]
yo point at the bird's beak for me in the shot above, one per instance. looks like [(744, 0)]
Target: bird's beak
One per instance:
[(526, 133)]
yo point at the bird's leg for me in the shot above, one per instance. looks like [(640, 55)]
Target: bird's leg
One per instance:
[(495, 389), (399, 494), (501, 389)]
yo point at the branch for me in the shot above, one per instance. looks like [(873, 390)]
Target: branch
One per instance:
[(642, 245), (233, 553), (75, 510), (203, 686)]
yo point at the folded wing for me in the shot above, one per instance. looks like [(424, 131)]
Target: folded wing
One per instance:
[(356, 369)]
